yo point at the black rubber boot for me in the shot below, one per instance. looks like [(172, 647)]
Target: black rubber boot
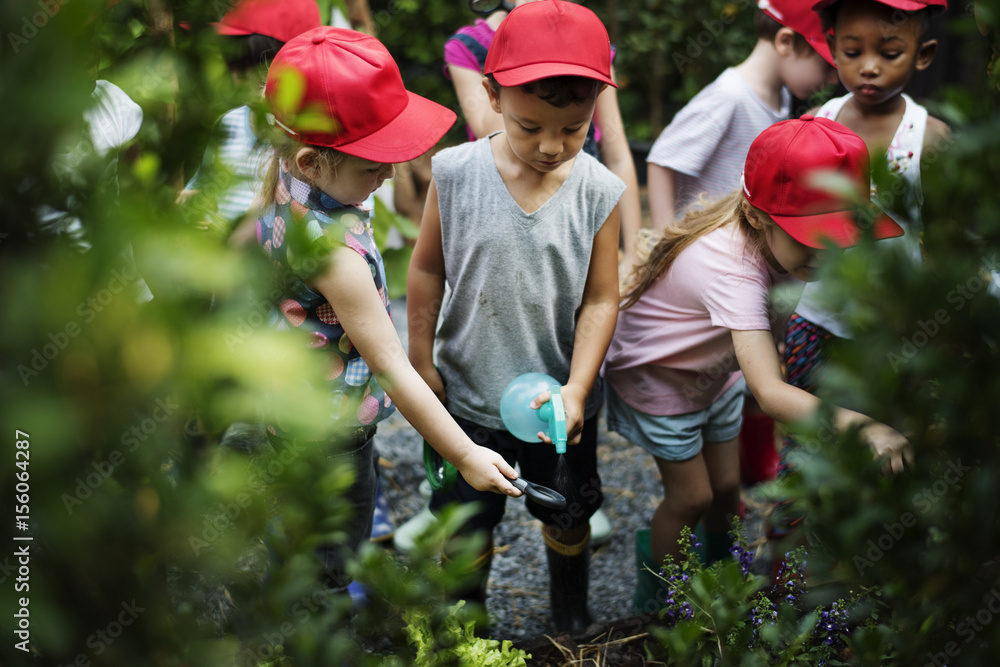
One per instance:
[(569, 577), (479, 576)]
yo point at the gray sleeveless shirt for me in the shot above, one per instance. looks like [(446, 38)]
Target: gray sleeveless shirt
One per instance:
[(516, 279)]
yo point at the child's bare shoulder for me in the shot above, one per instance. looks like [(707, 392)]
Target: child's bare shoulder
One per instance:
[(938, 133)]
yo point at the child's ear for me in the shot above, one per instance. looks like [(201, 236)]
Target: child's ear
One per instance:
[(753, 215), (307, 162), (492, 93), (784, 42), (925, 54)]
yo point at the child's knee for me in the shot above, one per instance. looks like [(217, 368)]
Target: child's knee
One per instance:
[(729, 487), (691, 505)]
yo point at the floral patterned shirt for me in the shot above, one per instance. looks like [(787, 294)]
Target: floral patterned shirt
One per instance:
[(356, 399), (903, 156)]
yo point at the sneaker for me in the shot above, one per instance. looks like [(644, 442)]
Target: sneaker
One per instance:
[(406, 535), (405, 538), (382, 524), (600, 528), (359, 594)]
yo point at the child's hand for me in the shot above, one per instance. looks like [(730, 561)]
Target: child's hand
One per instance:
[(573, 402), (890, 445), (486, 470)]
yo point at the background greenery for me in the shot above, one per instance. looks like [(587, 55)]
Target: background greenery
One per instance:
[(658, 69), (147, 538)]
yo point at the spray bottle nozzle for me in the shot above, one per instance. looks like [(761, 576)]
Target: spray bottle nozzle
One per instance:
[(554, 413), (523, 421)]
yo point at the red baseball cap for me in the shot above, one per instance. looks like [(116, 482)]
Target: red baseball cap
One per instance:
[(798, 16), (340, 88), (538, 40), (280, 19), (779, 179), (936, 6)]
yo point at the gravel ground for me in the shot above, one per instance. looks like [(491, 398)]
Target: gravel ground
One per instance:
[(518, 592)]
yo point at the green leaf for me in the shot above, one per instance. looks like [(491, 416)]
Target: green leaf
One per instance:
[(397, 262), (290, 90)]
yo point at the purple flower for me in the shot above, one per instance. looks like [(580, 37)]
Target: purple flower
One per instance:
[(739, 548)]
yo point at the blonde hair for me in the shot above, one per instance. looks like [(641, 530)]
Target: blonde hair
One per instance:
[(286, 148), (658, 250)]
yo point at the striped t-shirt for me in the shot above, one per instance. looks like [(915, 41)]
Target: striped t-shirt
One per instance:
[(707, 141)]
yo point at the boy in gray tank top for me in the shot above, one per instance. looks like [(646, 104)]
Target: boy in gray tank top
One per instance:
[(523, 228)]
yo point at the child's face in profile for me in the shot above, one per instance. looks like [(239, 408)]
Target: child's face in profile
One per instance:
[(877, 50), (805, 73), (540, 135), (355, 179), (788, 255)]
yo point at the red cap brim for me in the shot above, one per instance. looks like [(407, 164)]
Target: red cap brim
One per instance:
[(822, 48), (839, 228), (408, 136), (223, 29), (905, 5), (519, 76)]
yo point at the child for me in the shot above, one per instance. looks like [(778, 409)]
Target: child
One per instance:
[(523, 226), (464, 56), (254, 31), (703, 148), (877, 45), (353, 119), (697, 314)]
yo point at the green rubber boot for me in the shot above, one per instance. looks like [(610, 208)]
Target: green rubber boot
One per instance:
[(717, 547), (650, 591), (711, 547)]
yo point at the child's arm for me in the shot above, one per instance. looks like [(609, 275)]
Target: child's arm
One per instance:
[(937, 138), (475, 103), (617, 157), (347, 285), (759, 362), (660, 184), (424, 292), (594, 328)]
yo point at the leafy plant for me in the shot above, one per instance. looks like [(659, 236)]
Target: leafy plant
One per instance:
[(725, 615), (456, 642)]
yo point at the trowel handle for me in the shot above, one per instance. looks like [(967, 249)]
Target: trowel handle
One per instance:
[(554, 413)]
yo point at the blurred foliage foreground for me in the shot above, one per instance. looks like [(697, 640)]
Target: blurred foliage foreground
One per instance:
[(130, 537)]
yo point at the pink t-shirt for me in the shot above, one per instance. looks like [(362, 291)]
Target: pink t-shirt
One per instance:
[(672, 351)]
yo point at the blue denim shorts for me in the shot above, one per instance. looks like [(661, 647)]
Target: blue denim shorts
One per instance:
[(678, 437)]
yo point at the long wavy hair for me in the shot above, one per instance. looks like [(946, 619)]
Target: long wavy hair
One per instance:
[(658, 250)]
